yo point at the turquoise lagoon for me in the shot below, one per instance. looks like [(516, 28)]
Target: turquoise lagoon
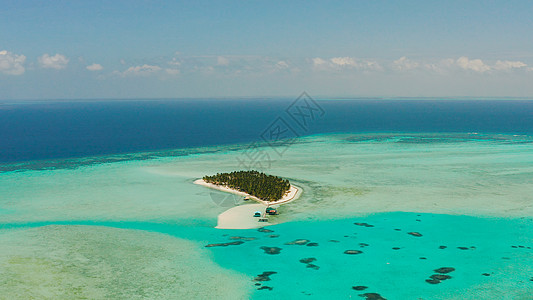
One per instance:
[(134, 226)]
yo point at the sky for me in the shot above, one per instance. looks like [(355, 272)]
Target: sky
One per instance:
[(179, 49)]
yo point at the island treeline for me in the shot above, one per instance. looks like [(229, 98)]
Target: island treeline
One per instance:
[(263, 186)]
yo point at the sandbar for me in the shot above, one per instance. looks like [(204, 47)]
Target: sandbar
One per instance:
[(242, 216)]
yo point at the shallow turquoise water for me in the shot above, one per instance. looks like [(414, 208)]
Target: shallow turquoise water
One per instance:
[(469, 191), (393, 262)]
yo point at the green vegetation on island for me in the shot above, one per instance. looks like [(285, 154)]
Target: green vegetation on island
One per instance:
[(260, 185)]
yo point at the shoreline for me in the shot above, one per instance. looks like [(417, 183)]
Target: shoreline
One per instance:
[(241, 216), (293, 194)]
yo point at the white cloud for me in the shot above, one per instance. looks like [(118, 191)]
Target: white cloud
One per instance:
[(317, 61), (11, 64), (371, 65), (95, 67), (172, 71), (343, 61), (282, 65), (476, 65), (143, 70), (174, 62), (346, 62), (507, 65), (404, 63), (57, 61), (222, 61), (442, 66)]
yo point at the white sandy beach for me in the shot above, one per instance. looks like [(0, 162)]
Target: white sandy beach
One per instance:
[(241, 217)]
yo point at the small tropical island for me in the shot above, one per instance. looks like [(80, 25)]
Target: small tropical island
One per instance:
[(265, 187), (269, 190)]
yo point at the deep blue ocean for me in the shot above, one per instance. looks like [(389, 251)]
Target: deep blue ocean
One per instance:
[(65, 129)]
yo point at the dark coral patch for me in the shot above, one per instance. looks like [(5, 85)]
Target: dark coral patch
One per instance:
[(443, 247), (265, 276), (312, 244), (364, 224), (273, 236), (359, 287), (225, 244), (298, 242), (266, 288), (422, 258), (444, 270), (353, 252), (462, 248), (485, 274), (417, 234), (433, 281), (263, 229), (396, 248), (271, 250), (307, 260), (440, 277), (268, 273), (372, 296), (242, 238)]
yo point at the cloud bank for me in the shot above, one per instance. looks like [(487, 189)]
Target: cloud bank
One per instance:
[(57, 61), (95, 67), (509, 65), (143, 70), (345, 63), (403, 63), (245, 65), (11, 64), (476, 65)]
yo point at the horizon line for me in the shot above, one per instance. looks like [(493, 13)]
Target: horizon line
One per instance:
[(320, 98)]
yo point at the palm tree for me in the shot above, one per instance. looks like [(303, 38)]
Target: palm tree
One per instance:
[(260, 185)]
